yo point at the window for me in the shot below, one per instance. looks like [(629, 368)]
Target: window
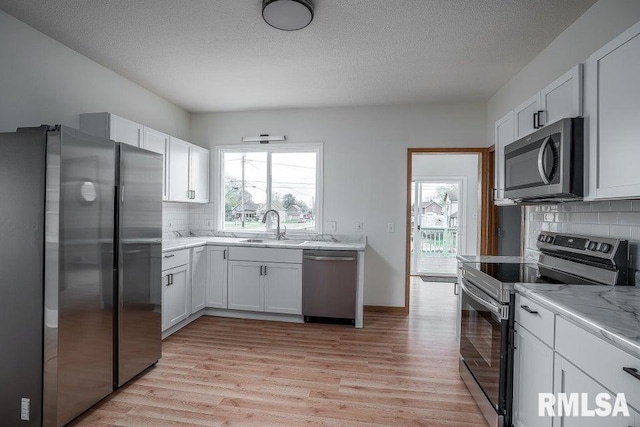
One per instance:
[(284, 177)]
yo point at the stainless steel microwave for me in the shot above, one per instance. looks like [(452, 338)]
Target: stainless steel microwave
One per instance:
[(547, 165)]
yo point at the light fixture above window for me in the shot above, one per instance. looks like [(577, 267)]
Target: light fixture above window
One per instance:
[(287, 15), (264, 138)]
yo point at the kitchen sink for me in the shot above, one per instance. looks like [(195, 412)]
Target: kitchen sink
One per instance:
[(274, 241)]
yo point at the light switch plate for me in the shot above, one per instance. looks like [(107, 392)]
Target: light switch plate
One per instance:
[(332, 226), (170, 224), (359, 227)]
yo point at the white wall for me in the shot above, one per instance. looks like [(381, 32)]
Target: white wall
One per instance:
[(365, 167), (456, 165), (43, 81), (597, 26)]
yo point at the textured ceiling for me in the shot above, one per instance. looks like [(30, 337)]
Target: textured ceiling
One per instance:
[(219, 55)]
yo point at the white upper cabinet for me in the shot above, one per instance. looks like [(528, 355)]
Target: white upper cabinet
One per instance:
[(563, 98), (179, 170), (188, 172), (504, 136), (114, 127), (526, 116), (158, 142), (199, 174), (613, 110)]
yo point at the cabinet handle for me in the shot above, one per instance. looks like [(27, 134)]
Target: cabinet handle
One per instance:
[(535, 120), (540, 113), (265, 270), (194, 194), (224, 254), (633, 372), (455, 289), (528, 310), (170, 256), (261, 270), (171, 275)]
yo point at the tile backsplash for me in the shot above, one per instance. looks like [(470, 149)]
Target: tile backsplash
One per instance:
[(201, 217), (175, 220), (618, 219)]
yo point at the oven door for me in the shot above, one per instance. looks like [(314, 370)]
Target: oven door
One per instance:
[(532, 168), (484, 346)]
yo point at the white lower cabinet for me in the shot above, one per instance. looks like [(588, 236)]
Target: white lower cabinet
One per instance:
[(571, 380), (176, 306), (533, 374), (267, 287), (216, 284), (198, 278)]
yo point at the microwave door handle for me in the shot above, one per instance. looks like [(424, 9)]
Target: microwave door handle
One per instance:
[(541, 171), (501, 312)]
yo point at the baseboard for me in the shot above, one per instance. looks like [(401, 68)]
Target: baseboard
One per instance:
[(385, 309), (237, 314), (185, 322)]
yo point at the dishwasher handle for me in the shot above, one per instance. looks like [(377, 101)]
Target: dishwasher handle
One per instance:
[(329, 258)]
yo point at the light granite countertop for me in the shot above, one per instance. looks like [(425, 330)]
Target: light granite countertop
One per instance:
[(611, 312), (495, 259), (191, 242)]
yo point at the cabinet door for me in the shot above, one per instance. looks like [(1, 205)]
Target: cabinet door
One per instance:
[(504, 136), (158, 142), (199, 174), (563, 98), (176, 304), (612, 94), (125, 131), (178, 170), (198, 278), (523, 116), (283, 288), (533, 374), (569, 379), (245, 286), (217, 277)]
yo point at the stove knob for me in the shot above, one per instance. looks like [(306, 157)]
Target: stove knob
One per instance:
[(549, 239), (605, 247), (541, 238), (592, 246)]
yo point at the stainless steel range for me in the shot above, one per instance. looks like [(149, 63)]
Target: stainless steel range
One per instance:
[(486, 330)]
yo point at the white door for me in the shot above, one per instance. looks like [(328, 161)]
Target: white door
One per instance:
[(217, 277), (533, 374), (175, 304), (505, 132), (198, 278), (199, 174), (569, 379), (245, 291), (125, 131), (158, 142), (524, 116), (178, 170), (563, 98), (282, 288)]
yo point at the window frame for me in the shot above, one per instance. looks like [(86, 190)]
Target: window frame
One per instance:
[(272, 147)]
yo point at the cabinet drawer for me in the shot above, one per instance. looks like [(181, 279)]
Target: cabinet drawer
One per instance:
[(599, 359), (175, 259), (537, 320), (292, 256)]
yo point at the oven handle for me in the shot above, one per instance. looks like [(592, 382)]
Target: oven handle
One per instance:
[(502, 311), (541, 171)]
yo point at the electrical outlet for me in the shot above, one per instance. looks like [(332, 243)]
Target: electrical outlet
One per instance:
[(210, 224), (170, 224), (359, 227), (332, 226), (391, 227)]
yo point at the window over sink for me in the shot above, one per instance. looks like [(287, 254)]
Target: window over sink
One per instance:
[(253, 179)]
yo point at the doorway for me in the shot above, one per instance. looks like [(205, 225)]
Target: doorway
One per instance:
[(437, 226), (437, 232)]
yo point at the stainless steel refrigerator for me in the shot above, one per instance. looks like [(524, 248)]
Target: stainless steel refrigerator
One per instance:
[(80, 226)]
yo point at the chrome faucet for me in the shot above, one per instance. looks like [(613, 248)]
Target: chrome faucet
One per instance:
[(279, 235)]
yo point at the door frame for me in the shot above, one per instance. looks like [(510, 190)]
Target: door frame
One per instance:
[(461, 182), (487, 209)]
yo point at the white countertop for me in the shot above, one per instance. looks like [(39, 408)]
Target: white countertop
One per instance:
[(190, 242), (611, 312)]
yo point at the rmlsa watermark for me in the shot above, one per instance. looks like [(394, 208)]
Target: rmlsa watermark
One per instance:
[(582, 405)]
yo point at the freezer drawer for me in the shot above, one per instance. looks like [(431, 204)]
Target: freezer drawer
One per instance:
[(329, 280)]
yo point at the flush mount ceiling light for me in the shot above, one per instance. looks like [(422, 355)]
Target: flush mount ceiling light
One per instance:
[(287, 15)]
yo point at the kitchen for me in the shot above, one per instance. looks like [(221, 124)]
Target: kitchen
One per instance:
[(360, 144)]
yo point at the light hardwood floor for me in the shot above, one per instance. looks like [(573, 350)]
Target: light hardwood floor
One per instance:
[(397, 371)]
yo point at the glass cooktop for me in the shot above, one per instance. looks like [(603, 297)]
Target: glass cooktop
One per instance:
[(509, 272)]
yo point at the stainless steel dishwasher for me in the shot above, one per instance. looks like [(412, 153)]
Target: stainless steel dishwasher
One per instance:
[(329, 280)]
